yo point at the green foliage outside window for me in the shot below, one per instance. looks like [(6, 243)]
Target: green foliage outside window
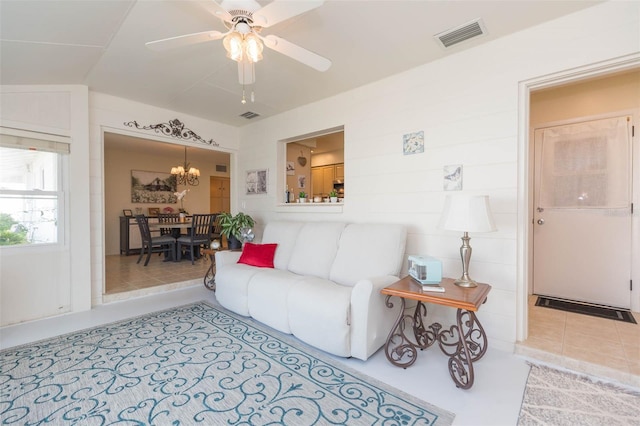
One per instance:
[(11, 232)]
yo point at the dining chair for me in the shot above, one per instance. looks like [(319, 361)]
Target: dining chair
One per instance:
[(162, 243), (169, 218), (199, 234)]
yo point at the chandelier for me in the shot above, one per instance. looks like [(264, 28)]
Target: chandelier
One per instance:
[(186, 175)]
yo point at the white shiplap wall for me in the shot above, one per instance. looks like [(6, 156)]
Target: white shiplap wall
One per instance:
[(467, 105)]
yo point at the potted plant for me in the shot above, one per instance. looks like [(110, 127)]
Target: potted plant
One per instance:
[(333, 196), (303, 197), (232, 226)]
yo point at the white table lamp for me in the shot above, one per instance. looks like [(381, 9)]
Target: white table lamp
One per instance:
[(467, 213)]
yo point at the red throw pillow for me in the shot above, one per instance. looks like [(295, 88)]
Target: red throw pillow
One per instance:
[(260, 255)]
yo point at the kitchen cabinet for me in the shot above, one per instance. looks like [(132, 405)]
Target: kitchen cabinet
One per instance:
[(317, 180), (322, 178)]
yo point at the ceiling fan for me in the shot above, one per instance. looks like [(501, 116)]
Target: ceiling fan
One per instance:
[(245, 20)]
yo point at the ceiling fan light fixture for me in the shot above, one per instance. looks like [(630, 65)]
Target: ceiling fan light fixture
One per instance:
[(233, 44), (240, 46), (253, 47)]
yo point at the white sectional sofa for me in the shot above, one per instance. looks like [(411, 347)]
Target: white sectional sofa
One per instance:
[(325, 285)]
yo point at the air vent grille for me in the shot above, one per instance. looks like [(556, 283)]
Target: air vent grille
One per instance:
[(222, 168), (462, 33), (249, 115)]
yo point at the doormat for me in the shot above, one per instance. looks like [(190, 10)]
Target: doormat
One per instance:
[(579, 308)]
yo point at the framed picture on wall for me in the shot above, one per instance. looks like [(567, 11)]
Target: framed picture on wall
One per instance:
[(127, 213), (153, 187), (291, 168), (413, 143), (153, 211), (256, 181), (453, 177)]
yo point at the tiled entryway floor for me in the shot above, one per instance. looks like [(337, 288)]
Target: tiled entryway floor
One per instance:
[(123, 274), (584, 342)]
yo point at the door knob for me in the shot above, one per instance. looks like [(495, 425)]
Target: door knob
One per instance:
[(540, 221)]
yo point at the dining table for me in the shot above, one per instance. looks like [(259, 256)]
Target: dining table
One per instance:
[(172, 225), (175, 229)]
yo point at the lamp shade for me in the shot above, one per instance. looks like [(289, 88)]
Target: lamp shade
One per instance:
[(467, 213)]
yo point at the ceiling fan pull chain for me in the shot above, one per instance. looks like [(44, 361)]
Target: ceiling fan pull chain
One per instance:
[(253, 95), (244, 100)]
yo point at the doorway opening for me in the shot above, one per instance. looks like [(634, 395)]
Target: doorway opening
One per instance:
[(592, 345), (123, 155)]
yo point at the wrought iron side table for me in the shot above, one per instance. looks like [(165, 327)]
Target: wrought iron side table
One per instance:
[(210, 275), (464, 343)]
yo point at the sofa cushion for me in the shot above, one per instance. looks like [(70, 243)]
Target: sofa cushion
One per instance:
[(368, 250), (319, 314), (260, 255), (284, 234), (267, 300), (316, 248), (232, 282)]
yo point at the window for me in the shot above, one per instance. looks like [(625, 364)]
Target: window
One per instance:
[(31, 195)]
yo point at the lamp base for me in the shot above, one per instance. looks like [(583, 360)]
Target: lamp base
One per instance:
[(466, 283)]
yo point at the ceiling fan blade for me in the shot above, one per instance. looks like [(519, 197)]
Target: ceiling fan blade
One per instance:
[(183, 40), (296, 52), (246, 74), (278, 11), (216, 10)]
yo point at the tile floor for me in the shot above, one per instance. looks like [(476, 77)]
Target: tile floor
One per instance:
[(593, 345), (123, 274)]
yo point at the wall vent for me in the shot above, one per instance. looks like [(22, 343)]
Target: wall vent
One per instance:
[(461, 33), (249, 115), (222, 168)]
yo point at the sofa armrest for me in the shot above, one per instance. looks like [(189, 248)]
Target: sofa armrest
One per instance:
[(226, 257), (371, 319)]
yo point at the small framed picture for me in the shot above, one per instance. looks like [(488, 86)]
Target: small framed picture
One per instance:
[(291, 168), (413, 143), (257, 181), (127, 213), (153, 211), (302, 181), (453, 177)]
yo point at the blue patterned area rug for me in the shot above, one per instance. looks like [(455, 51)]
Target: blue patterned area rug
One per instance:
[(195, 364)]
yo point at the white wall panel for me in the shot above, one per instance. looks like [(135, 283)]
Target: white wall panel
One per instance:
[(109, 113), (31, 108), (467, 105), (36, 282)]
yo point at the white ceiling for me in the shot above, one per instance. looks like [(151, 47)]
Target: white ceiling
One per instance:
[(101, 44)]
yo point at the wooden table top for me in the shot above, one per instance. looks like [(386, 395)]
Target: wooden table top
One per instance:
[(454, 296)]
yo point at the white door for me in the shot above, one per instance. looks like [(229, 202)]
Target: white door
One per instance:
[(582, 217)]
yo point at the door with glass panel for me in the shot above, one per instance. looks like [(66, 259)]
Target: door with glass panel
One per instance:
[(582, 212)]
